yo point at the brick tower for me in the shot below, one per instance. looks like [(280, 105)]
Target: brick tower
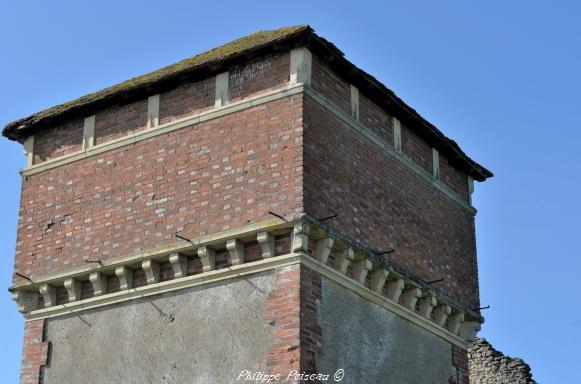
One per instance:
[(263, 208)]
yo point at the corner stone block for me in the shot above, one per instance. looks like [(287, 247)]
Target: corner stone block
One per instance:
[(236, 249), (469, 329), (266, 241), (73, 287), (300, 237), (208, 258), (125, 276), (25, 301), (48, 293), (343, 260), (99, 282)]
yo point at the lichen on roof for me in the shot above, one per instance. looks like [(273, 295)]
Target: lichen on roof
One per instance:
[(218, 54)]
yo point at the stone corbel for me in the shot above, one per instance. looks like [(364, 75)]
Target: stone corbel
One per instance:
[(344, 259), (73, 287), (208, 258), (427, 304), (125, 276), (441, 313), (236, 249), (266, 241), (48, 293), (455, 321), (179, 265), (360, 270), (394, 289), (151, 269), (99, 282), (410, 297), (378, 278), (323, 249)]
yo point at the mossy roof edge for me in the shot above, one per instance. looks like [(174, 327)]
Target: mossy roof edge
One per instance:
[(244, 46)]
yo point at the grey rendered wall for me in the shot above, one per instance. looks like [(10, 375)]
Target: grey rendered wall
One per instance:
[(373, 345), (200, 335)]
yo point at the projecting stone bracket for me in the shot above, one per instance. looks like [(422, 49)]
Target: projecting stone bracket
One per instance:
[(360, 270), (427, 304), (441, 313), (208, 258), (266, 241), (236, 249), (125, 276), (99, 282), (179, 264), (410, 297), (323, 249), (394, 289), (73, 287), (151, 269), (48, 293), (344, 259), (378, 278)]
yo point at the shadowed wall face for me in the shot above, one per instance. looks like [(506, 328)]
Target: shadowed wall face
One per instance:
[(373, 345)]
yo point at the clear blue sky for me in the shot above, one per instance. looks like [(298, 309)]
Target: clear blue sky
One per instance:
[(502, 78)]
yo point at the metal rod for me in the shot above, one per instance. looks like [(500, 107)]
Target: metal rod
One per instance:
[(24, 277), (481, 308), (329, 217), (277, 215), (95, 261), (385, 252), (434, 281), (184, 238)]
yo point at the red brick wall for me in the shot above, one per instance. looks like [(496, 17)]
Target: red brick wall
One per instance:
[(453, 179), (187, 99), (327, 83), (258, 75), (200, 179), (416, 149), (58, 140), (376, 119), (34, 353), (121, 120), (383, 204), (292, 310)]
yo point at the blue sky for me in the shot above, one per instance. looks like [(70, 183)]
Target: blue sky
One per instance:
[(501, 78)]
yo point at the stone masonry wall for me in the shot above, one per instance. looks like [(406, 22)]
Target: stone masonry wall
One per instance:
[(489, 366)]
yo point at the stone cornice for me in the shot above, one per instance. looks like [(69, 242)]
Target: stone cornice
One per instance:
[(333, 257)]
